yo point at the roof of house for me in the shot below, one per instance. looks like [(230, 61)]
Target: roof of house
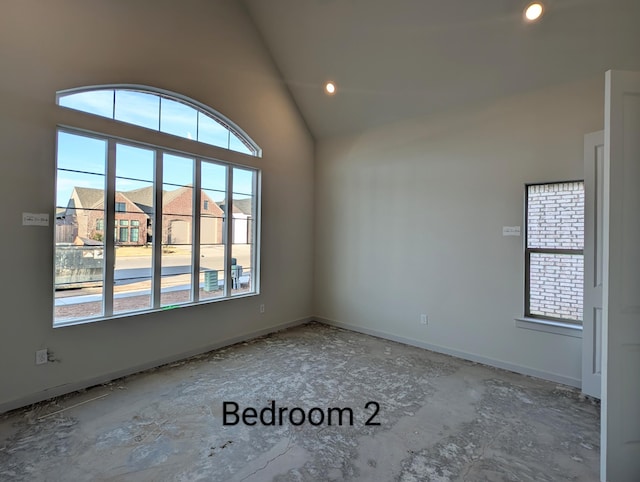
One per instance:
[(243, 205), (239, 205), (88, 197), (143, 198), (168, 196)]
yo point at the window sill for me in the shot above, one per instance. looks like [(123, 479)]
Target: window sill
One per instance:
[(549, 326)]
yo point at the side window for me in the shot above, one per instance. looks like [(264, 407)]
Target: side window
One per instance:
[(554, 262)]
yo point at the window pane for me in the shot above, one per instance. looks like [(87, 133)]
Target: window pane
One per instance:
[(79, 257), (556, 216), (134, 206), (242, 271), (177, 229), (212, 251), (138, 108), (176, 262), (556, 285), (79, 280), (214, 178), (81, 153), (134, 164), (98, 102), (243, 182), (177, 170), (178, 119), (212, 132), (235, 144), (76, 190), (159, 112)]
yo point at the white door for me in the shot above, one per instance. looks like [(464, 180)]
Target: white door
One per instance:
[(620, 442), (592, 316)]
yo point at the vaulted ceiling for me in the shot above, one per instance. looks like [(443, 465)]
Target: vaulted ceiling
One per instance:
[(398, 59)]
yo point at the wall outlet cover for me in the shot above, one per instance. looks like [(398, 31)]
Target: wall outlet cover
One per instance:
[(42, 357)]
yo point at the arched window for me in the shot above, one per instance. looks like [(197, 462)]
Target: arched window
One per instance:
[(142, 227), (162, 111)]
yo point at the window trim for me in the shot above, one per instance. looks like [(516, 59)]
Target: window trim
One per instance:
[(198, 106), (529, 317), (110, 241), (549, 326)]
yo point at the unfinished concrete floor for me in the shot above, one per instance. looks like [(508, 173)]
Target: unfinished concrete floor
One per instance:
[(440, 418)]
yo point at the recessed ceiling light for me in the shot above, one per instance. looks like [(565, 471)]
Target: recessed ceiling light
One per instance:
[(533, 12), (330, 88)]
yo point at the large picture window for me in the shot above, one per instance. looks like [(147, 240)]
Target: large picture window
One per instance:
[(141, 227), (554, 262)]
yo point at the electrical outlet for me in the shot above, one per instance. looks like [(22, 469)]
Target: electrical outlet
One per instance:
[(262, 308), (42, 356), (423, 319)]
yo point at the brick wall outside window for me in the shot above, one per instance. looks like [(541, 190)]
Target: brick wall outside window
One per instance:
[(555, 221)]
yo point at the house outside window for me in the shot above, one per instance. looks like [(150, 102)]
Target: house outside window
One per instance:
[(164, 209), (554, 260)]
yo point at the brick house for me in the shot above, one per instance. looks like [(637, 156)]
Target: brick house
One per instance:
[(134, 215), (86, 211), (177, 214)]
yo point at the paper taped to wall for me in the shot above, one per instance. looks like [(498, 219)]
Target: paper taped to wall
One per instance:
[(33, 219), (511, 230)]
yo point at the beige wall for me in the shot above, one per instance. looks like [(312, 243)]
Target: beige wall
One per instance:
[(207, 50), (409, 220)]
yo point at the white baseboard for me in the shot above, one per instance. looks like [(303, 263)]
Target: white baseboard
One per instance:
[(90, 382), (554, 377)]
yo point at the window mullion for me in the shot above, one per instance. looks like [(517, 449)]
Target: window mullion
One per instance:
[(110, 226), (157, 230), (255, 221), (555, 251), (195, 241), (228, 232)]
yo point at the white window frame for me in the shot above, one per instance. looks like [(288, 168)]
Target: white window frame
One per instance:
[(550, 324), (109, 238)]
